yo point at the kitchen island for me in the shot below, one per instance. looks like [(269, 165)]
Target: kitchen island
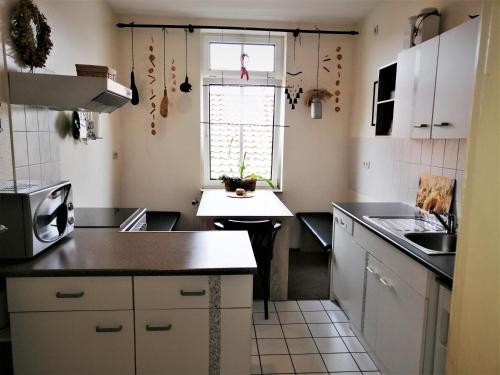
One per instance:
[(105, 302)]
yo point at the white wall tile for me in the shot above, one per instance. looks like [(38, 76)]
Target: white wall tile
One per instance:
[(416, 151), (414, 176), (18, 117), (33, 148), (451, 153), (20, 149), (459, 176), (436, 171), (54, 146), (43, 119), (450, 173), (405, 175), (22, 173), (426, 157), (45, 154), (35, 172), (462, 154), (425, 169), (438, 152), (31, 119)]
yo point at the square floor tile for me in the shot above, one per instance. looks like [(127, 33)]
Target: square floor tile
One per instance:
[(258, 306), (371, 373), (255, 365), (301, 346), (330, 305), (364, 362), (331, 345), (291, 317), (338, 316), (287, 306), (272, 346), (258, 318), (353, 344), (340, 362), (323, 330), (254, 347), (276, 364), (296, 331), (268, 331), (346, 373), (316, 317), (310, 305), (344, 329), (308, 363)]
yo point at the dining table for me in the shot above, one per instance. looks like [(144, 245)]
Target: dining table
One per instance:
[(258, 205)]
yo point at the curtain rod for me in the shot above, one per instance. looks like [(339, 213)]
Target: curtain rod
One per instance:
[(191, 28)]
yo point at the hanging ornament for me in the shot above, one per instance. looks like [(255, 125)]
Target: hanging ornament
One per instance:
[(186, 86), (164, 101), (133, 87)]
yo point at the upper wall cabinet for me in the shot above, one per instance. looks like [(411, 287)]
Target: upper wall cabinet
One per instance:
[(435, 85)]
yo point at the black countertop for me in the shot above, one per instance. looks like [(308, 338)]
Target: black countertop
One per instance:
[(441, 265), (108, 252), (102, 217)]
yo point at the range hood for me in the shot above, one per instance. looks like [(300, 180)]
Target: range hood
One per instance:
[(67, 93)]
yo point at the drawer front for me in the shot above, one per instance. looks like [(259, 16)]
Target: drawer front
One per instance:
[(407, 269), (343, 221), (172, 341), (69, 293), (171, 292), (61, 343)]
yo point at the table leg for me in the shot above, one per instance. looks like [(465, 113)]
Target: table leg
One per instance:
[(279, 267)]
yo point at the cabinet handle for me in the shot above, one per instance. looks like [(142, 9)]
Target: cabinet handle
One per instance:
[(3, 228), (371, 270), (70, 295), (100, 329), (195, 293), (385, 282), (158, 328), (421, 126), (442, 124)]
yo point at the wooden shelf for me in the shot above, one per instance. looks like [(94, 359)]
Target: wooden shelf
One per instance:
[(385, 101)]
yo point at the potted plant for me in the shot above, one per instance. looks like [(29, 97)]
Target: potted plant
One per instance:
[(247, 182)]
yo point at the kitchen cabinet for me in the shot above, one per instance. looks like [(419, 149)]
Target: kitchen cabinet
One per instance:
[(131, 325), (442, 325), (435, 85), (347, 267)]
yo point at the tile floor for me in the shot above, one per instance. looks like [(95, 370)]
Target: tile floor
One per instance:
[(306, 337)]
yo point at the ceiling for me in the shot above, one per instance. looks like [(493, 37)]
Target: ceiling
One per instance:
[(304, 11)]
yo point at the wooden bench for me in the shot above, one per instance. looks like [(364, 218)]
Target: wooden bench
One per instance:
[(320, 225)]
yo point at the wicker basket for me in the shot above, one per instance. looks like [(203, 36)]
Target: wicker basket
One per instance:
[(95, 71)]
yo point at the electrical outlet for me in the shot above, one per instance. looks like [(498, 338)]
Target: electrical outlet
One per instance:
[(366, 164)]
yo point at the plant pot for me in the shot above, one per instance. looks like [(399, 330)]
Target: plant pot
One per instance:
[(232, 185)]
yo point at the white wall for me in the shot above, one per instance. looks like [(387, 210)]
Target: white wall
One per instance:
[(394, 163), (164, 171), (82, 32)]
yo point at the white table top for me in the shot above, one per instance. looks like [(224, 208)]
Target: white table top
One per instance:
[(215, 203)]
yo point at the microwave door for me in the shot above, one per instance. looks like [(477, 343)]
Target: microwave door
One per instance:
[(52, 216)]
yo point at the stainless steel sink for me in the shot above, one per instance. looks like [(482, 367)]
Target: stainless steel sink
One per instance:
[(422, 231), (441, 242)]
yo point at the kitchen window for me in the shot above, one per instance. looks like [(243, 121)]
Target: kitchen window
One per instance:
[(241, 118)]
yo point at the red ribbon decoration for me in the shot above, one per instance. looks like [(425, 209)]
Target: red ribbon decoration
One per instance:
[(244, 62)]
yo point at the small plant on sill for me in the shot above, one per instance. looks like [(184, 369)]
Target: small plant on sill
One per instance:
[(247, 182)]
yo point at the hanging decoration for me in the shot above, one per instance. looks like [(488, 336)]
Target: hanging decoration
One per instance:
[(133, 87), (152, 79), (315, 97), (173, 68), (186, 87), (293, 89), (30, 34), (244, 63), (337, 82), (164, 101)]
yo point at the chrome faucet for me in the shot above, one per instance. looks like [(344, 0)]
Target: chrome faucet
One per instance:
[(450, 224)]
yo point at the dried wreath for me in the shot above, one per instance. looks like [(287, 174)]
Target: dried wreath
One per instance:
[(30, 34)]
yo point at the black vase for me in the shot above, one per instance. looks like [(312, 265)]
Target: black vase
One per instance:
[(133, 87)]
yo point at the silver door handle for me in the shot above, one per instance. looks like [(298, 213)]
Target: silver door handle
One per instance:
[(421, 126), (385, 282), (70, 295), (152, 328), (195, 293), (100, 329), (371, 270), (442, 124)]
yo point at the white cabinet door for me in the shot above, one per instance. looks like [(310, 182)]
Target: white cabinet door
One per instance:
[(236, 341), (373, 289), (77, 343), (172, 341), (400, 325), (348, 274), (458, 50), (426, 58), (404, 95)]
